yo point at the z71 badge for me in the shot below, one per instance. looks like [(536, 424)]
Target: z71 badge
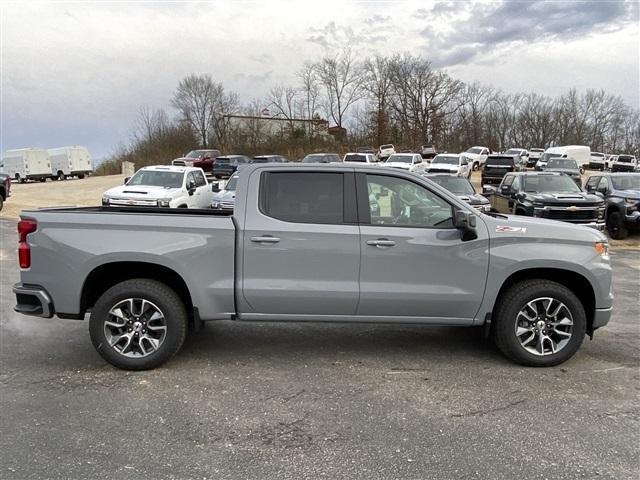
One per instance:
[(508, 229)]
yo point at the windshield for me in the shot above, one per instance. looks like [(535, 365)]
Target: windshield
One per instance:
[(155, 178), (546, 156), (474, 150), (448, 159), (626, 182), (550, 184), (599, 155), (513, 151), (315, 159), (625, 158), (538, 150), (231, 184), (500, 162), (195, 153), (352, 157), (454, 184), (386, 147), (400, 158), (562, 163), (260, 160)]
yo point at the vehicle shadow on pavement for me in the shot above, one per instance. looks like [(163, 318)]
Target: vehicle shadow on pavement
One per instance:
[(234, 340)]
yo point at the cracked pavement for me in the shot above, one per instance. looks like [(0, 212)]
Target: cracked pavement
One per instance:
[(292, 401)]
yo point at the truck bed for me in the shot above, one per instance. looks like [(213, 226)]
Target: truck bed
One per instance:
[(71, 244)]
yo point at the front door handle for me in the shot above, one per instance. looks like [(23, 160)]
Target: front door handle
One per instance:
[(265, 239), (381, 242)]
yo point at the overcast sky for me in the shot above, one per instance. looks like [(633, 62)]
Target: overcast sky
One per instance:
[(77, 73)]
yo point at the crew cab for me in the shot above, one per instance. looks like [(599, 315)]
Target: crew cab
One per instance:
[(225, 166), (315, 243), (5, 188), (407, 161), (461, 188), (568, 166), (597, 161), (496, 167), (625, 163), (203, 159), (621, 193), (450, 163), (162, 186), (549, 195), (476, 156)]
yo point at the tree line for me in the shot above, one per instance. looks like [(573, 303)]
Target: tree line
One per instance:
[(399, 99)]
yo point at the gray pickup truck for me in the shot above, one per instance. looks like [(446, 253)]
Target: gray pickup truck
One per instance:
[(317, 243)]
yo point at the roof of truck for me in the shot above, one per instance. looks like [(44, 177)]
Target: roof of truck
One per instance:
[(169, 168)]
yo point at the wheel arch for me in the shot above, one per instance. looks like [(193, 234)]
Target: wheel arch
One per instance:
[(574, 281), (105, 276)]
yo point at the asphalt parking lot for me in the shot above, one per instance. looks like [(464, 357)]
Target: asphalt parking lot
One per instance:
[(318, 401)]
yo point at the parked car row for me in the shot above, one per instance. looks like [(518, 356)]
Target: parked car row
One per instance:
[(24, 164)]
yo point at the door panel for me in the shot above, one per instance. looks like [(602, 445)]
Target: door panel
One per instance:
[(301, 268), (413, 270)]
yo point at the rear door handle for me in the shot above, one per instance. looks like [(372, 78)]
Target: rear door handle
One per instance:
[(265, 239), (381, 242)]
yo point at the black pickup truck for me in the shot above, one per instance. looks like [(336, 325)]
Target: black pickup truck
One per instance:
[(496, 167), (549, 195), (621, 193)]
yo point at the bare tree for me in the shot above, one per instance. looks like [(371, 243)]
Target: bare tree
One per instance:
[(283, 99), (343, 82), (197, 98), (378, 83)]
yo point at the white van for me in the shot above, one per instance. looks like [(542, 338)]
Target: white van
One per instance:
[(580, 153), (70, 162), (26, 164)]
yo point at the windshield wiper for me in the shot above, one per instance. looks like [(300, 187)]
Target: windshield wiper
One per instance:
[(496, 215)]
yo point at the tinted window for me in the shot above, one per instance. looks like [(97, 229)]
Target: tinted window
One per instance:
[(500, 161), (221, 161), (626, 182), (305, 197), (454, 184), (398, 202), (550, 184), (603, 186), (592, 182), (508, 180), (355, 158)]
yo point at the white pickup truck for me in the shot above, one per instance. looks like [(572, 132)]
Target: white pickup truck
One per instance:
[(162, 186)]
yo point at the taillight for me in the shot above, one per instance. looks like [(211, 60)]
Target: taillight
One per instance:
[(25, 227)]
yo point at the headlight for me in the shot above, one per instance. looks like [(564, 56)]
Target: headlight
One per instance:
[(164, 202), (600, 213), (486, 207), (105, 200), (215, 204), (602, 249)]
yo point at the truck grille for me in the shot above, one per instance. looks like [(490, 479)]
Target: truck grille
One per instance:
[(137, 202), (567, 215)]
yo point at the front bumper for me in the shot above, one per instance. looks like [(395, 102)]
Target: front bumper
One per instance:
[(33, 300)]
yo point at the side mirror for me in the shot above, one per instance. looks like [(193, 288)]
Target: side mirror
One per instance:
[(489, 190), (505, 190), (215, 187), (191, 187), (466, 221), (126, 180)]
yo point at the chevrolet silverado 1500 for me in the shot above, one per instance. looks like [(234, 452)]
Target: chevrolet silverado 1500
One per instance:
[(318, 243)]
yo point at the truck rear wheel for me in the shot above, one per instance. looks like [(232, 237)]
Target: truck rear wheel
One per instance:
[(539, 323), (138, 324)]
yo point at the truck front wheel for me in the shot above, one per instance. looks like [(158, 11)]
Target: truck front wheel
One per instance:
[(539, 323), (138, 324)]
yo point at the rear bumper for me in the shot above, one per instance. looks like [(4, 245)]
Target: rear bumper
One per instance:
[(33, 300), (596, 166), (489, 180), (601, 317)]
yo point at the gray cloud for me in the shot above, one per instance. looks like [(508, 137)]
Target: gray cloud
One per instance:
[(491, 26)]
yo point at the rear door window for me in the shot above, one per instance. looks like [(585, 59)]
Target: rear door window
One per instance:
[(304, 197)]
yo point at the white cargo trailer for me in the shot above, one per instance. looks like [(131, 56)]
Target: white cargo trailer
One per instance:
[(26, 164), (70, 162)]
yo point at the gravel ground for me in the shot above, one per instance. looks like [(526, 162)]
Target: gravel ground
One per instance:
[(292, 401)]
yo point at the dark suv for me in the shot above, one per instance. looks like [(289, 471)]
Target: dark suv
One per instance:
[(225, 166), (496, 167), (5, 188), (621, 192)]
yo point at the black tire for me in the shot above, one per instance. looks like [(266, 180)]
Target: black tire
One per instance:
[(43, 179), (475, 166), (616, 227), (81, 176), (1, 202), (61, 176), (175, 317), (503, 327)]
